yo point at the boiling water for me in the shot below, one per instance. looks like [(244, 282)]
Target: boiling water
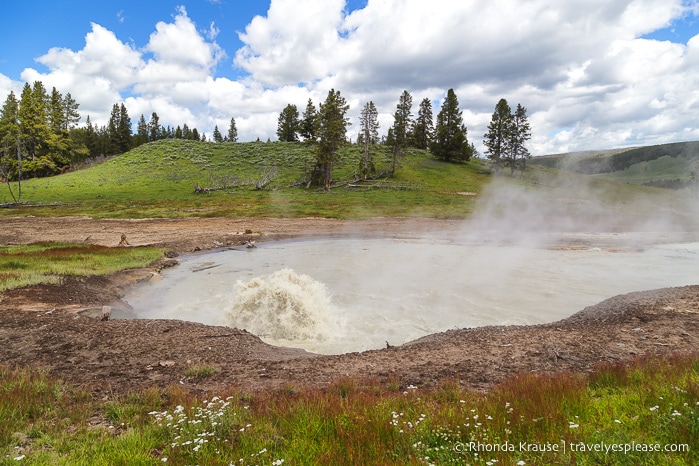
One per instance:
[(341, 295)]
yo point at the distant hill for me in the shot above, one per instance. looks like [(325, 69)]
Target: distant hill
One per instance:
[(672, 165)]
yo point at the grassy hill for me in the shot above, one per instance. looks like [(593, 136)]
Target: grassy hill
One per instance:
[(665, 165), (159, 179)]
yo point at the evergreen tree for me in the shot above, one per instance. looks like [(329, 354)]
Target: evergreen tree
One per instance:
[(232, 132), (91, 139), (389, 140), (423, 128), (521, 133), (10, 142), (119, 130), (332, 130), (124, 129), (56, 114), (369, 134), (9, 125), (401, 128), (217, 135), (450, 142), (71, 117), (309, 123), (497, 139), (113, 131), (288, 124), (141, 131), (155, 131), (33, 119), (178, 133), (194, 135)]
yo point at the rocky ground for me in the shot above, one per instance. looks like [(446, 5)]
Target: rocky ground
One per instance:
[(44, 326)]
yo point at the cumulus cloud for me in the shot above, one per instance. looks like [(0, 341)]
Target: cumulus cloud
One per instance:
[(292, 43), (583, 69)]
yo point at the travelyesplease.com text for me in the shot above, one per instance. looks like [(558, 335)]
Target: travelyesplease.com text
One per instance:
[(563, 446)]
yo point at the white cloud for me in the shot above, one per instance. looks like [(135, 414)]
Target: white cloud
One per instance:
[(581, 67), (292, 43)]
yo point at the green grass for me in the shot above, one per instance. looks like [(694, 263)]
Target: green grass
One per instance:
[(48, 263), (566, 418), (158, 179), (662, 168)]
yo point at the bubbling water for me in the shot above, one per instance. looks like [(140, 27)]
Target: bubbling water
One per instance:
[(282, 306), (334, 296)]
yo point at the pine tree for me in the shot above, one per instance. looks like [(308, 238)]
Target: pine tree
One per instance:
[(91, 139), (119, 130), (288, 124), (155, 131), (423, 129), (33, 119), (9, 125), (498, 138), (141, 131), (217, 135), (309, 123), (10, 146), (56, 113), (401, 128), (521, 133), (369, 134), (124, 130), (71, 117), (112, 131), (450, 142), (232, 132), (332, 130)]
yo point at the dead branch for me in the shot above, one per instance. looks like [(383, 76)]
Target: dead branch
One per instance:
[(269, 175)]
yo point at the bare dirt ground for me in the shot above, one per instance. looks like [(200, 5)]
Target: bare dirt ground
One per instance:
[(43, 327)]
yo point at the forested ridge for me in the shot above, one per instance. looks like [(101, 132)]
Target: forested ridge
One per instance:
[(40, 133)]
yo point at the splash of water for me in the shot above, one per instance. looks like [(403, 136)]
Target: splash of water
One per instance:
[(282, 306)]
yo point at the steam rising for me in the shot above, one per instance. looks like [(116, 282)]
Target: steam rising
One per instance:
[(531, 210)]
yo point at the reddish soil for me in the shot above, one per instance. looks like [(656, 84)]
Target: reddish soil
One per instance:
[(42, 326)]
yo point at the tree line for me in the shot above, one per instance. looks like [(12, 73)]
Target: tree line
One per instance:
[(447, 140), (39, 135), (326, 127)]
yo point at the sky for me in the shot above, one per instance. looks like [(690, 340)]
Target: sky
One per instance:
[(593, 74)]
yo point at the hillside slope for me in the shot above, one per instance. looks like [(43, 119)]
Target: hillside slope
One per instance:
[(176, 178), (667, 165)]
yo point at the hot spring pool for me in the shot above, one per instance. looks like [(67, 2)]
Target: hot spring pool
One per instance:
[(340, 295)]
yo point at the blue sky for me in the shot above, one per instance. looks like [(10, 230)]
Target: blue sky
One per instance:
[(594, 74), (33, 27)]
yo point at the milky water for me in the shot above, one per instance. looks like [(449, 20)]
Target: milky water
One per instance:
[(342, 295)]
